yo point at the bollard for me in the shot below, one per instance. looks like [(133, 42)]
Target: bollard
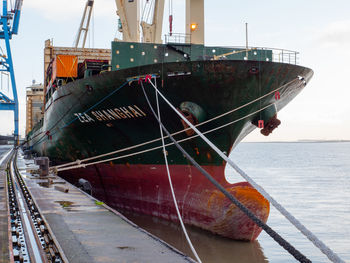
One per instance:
[(43, 163), (27, 154), (85, 186)]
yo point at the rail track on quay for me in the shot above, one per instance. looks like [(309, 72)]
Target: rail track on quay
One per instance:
[(30, 238)]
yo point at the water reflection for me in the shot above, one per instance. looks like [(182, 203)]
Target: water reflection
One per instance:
[(211, 248)]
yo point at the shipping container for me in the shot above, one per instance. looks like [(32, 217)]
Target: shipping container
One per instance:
[(91, 67), (65, 66)]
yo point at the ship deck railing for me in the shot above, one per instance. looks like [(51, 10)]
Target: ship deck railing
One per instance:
[(283, 55), (256, 53), (177, 38), (252, 53)]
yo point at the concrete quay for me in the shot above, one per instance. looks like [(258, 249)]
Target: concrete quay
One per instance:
[(84, 229)]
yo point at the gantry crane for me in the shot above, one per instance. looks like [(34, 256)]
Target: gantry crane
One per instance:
[(9, 22)]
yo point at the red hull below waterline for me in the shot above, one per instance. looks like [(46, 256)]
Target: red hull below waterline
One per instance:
[(145, 189)]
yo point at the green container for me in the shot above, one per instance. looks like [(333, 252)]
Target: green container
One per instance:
[(133, 54)]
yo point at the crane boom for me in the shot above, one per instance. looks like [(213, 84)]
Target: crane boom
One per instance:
[(129, 15), (84, 24), (128, 12), (232, 53), (152, 33)]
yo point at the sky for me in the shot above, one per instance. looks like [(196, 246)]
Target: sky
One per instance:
[(318, 29)]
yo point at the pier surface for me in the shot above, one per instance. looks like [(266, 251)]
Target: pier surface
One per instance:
[(4, 237), (85, 230)]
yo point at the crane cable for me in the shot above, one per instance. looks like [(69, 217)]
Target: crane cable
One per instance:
[(151, 6), (332, 256), (171, 184), (143, 11)]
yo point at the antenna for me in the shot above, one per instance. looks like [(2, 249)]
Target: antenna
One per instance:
[(246, 39)]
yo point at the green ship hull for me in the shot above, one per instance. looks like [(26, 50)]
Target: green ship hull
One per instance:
[(109, 112)]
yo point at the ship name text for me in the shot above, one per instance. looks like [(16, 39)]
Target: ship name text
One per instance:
[(127, 112)]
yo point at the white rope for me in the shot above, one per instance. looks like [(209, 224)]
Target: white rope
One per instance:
[(59, 169), (318, 243), (173, 134), (172, 188)]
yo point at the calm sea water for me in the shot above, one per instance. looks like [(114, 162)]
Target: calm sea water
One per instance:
[(311, 180)]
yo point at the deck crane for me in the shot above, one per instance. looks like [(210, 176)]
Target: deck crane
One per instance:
[(84, 24), (152, 32), (129, 15), (9, 22), (130, 22)]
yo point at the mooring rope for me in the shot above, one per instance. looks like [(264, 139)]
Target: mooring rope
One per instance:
[(318, 243), (280, 240), (171, 186), (79, 163), (45, 137), (327, 251), (184, 130)]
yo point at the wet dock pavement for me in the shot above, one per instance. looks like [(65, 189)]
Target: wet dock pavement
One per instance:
[(4, 230), (4, 237), (85, 229), (4, 253)]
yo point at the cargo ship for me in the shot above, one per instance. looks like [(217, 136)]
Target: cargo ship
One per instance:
[(97, 119)]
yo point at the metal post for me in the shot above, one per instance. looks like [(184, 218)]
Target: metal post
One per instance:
[(13, 81), (246, 39)]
